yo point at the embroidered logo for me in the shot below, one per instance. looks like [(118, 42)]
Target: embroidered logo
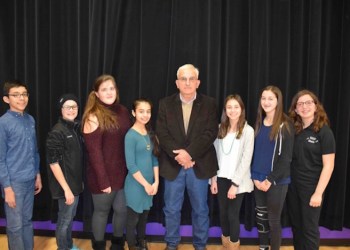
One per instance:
[(312, 139)]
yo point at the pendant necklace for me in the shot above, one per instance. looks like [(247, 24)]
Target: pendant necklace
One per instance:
[(222, 145), (148, 144)]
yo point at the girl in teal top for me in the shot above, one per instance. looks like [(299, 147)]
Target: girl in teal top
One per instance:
[(141, 183)]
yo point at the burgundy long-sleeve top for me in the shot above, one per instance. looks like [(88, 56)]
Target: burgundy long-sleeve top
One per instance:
[(106, 166)]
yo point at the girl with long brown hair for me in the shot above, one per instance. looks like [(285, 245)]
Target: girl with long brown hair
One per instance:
[(234, 149), (141, 184), (312, 167), (273, 147), (105, 123)]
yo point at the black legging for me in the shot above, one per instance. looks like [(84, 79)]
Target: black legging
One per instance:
[(135, 221), (269, 207), (229, 210)]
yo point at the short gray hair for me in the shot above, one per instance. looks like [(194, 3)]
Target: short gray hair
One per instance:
[(187, 66)]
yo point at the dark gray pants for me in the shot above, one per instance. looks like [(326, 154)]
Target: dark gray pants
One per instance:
[(102, 206)]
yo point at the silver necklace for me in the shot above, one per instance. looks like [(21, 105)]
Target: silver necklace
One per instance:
[(222, 145), (148, 144)]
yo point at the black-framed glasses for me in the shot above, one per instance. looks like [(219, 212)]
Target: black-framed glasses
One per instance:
[(70, 107), (18, 95), (306, 103)]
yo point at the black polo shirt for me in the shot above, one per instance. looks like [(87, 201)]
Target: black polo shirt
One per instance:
[(308, 149)]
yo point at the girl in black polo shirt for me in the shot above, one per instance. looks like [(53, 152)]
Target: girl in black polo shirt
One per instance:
[(311, 169)]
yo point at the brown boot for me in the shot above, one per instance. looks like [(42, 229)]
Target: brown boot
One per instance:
[(233, 245), (225, 241)]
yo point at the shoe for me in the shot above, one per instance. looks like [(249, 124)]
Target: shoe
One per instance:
[(74, 247), (142, 244), (200, 248), (99, 245), (233, 245), (170, 248), (225, 240), (133, 248), (117, 243)]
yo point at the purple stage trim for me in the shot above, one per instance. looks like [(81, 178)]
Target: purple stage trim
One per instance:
[(186, 231)]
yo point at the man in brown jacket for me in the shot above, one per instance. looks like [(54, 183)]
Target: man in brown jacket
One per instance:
[(187, 127)]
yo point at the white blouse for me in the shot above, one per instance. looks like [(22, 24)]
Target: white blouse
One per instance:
[(234, 158)]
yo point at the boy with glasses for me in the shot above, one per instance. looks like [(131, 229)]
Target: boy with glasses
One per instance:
[(65, 168), (19, 166)]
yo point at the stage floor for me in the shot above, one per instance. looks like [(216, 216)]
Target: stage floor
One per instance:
[(49, 243)]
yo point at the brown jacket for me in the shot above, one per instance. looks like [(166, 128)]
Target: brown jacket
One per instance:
[(202, 131)]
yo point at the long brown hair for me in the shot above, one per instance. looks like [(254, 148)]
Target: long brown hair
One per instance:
[(320, 116), (107, 119), (148, 126), (225, 121), (278, 118)]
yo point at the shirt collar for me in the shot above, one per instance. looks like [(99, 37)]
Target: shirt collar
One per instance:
[(16, 114), (188, 102)]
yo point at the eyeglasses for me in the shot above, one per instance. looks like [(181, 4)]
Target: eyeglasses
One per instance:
[(68, 107), (18, 95), (184, 79), (306, 103)]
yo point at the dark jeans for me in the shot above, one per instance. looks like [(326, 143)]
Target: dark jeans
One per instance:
[(269, 207), (229, 210), (135, 221), (102, 206), (304, 218), (65, 218)]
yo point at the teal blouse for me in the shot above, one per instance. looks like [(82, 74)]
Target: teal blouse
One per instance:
[(139, 157)]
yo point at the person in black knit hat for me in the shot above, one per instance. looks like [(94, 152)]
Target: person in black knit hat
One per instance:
[(65, 167)]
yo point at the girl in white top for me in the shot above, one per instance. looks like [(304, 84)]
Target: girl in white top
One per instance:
[(234, 148)]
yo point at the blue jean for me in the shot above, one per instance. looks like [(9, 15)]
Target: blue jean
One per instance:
[(65, 218), (19, 227), (197, 190)]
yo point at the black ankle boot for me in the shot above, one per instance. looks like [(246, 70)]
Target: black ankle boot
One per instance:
[(117, 243), (98, 245), (133, 248), (142, 244)]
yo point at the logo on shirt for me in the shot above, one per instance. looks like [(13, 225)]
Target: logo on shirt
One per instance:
[(69, 136), (312, 139)]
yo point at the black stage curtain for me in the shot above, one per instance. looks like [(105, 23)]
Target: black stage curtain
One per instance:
[(240, 46)]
